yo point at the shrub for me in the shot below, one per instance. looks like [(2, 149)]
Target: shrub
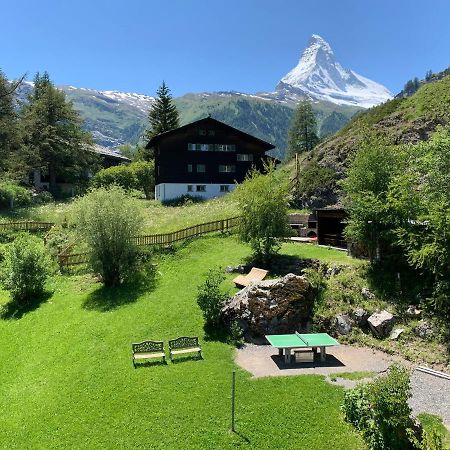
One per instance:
[(43, 197), (25, 268), (263, 207), (381, 412), (11, 194), (210, 298), (236, 334), (107, 219), (135, 176), (144, 174)]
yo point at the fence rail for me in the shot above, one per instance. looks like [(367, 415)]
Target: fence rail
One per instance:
[(160, 240), (26, 225)]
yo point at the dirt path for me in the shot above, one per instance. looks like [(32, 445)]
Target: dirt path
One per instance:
[(429, 394)]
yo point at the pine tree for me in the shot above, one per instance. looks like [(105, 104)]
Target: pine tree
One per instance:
[(9, 129), (302, 135), (52, 134), (429, 75), (163, 115)]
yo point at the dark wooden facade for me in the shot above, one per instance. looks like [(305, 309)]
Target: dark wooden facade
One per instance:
[(177, 162), (331, 223)]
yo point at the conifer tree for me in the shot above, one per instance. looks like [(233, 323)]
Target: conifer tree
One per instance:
[(9, 130), (302, 135), (52, 135), (163, 115)]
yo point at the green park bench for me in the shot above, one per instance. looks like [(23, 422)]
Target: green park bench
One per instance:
[(148, 350), (183, 345)]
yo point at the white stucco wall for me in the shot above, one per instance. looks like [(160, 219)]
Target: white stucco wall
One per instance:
[(169, 191)]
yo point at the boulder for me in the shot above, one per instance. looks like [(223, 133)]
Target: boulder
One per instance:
[(396, 333), (367, 293), (381, 323), (424, 329), (413, 312), (283, 305), (342, 323), (360, 316)]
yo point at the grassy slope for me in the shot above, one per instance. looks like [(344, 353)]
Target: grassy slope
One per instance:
[(158, 219), (399, 120), (67, 380)]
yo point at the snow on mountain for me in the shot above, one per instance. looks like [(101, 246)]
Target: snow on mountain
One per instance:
[(140, 101), (318, 76)]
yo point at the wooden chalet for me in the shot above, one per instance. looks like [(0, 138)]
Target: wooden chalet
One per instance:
[(204, 158)]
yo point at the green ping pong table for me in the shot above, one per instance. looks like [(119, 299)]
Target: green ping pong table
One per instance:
[(288, 342)]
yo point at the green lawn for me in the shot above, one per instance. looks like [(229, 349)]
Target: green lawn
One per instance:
[(66, 378)]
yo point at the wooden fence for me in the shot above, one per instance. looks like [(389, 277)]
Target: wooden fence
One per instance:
[(26, 225), (160, 240)]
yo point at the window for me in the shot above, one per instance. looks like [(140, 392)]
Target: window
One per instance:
[(189, 168), (191, 147), (201, 188), (201, 168), (204, 147), (227, 169), (224, 188), (190, 188), (157, 170), (225, 148), (244, 157)]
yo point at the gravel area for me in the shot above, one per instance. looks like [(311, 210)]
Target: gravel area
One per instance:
[(429, 393)]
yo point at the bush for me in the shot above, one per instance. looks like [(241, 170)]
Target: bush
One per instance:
[(135, 176), (381, 412), (25, 268), (107, 219), (13, 194), (263, 207), (144, 173), (210, 299), (183, 200), (236, 334), (43, 197)]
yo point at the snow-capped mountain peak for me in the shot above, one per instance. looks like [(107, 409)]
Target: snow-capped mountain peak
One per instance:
[(318, 76)]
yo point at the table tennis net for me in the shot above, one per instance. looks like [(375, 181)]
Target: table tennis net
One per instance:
[(300, 337)]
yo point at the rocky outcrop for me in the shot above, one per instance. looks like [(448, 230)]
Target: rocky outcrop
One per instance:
[(283, 305), (381, 323)]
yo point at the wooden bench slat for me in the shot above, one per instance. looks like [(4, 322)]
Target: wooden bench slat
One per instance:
[(186, 350), (148, 355)]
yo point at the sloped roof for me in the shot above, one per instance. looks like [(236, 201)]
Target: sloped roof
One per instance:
[(205, 121), (104, 151)]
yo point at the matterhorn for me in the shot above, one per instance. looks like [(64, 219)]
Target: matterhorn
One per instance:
[(319, 77)]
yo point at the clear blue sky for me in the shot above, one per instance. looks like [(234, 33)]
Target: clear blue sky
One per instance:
[(210, 45)]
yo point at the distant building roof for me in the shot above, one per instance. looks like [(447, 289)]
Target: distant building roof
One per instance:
[(104, 151)]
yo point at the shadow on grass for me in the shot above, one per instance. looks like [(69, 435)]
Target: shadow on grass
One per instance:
[(106, 299), (216, 333), (15, 310), (182, 359), (145, 364)]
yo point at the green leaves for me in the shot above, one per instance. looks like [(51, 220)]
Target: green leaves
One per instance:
[(26, 268), (107, 220), (263, 205), (302, 136)]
